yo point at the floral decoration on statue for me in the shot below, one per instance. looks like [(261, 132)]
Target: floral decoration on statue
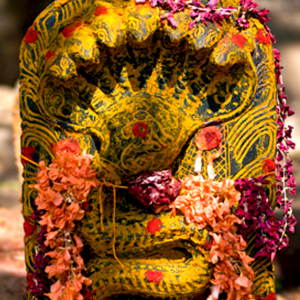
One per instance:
[(228, 210), (209, 204), (155, 190), (257, 216), (208, 138), (63, 187), (209, 12)]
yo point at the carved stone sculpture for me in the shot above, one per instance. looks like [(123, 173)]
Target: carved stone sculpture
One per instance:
[(135, 89)]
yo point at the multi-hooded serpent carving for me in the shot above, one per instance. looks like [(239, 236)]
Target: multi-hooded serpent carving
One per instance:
[(135, 93)]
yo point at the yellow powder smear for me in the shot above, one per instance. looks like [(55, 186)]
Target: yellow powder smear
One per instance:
[(101, 207), (114, 227)]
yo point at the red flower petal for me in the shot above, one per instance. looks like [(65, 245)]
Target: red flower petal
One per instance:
[(68, 30), (154, 276), (31, 35), (140, 130), (263, 37), (154, 225), (208, 138), (100, 10), (239, 40), (27, 152)]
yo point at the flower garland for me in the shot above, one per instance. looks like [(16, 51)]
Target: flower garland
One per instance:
[(209, 12), (63, 188), (37, 282), (255, 207), (209, 204)]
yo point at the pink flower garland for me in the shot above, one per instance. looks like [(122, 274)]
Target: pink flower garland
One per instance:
[(209, 12), (285, 179)]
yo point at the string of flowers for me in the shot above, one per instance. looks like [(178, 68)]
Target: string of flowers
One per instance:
[(258, 217), (209, 12), (209, 204), (37, 281), (63, 188), (284, 175), (274, 232)]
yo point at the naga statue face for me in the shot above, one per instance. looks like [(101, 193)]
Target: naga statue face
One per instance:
[(135, 91)]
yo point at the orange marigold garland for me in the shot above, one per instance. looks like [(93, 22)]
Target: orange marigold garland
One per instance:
[(62, 188), (209, 204)]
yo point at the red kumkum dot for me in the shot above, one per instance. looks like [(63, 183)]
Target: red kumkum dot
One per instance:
[(269, 165), (154, 276), (239, 40), (263, 37), (271, 296), (50, 55), (29, 281), (140, 130), (27, 152), (28, 227), (68, 30), (31, 35), (100, 10), (154, 225)]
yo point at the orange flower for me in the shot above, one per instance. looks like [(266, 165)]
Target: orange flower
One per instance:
[(56, 291), (62, 190), (208, 138), (209, 204), (68, 145)]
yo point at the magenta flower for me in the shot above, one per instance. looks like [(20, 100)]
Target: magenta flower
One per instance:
[(155, 190), (37, 281), (258, 217)]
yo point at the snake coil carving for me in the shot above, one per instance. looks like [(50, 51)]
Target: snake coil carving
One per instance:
[(135, 93)]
